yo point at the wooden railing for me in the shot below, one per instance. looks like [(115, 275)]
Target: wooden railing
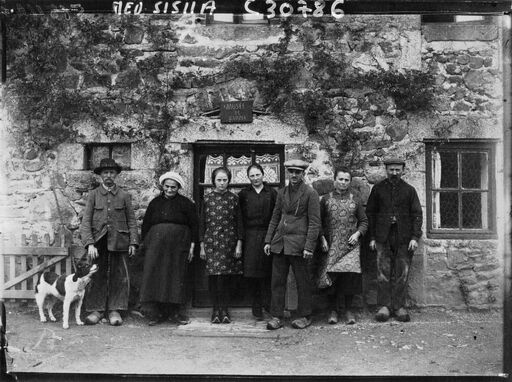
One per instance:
[(20, 268)]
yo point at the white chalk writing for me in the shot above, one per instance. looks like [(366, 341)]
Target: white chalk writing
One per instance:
[(287, 9), (306, 8)]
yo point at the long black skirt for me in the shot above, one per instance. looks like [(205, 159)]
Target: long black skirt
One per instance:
[(256, 262), (165, 265)]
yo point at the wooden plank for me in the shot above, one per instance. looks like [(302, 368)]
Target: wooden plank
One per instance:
[(38, 251), (17, 294), (32, 272), (12, 269), (23, 269), (69, 266), (2, 276), (35, 278), (58, 268)]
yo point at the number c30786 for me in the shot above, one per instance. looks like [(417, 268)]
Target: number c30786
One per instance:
[(286, 9)]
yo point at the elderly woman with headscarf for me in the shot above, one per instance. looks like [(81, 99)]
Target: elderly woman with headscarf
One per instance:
[(169, 232)]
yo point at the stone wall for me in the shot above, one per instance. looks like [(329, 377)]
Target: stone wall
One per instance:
[(141, 69)]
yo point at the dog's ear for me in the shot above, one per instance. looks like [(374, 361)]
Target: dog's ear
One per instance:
[(75, 277)]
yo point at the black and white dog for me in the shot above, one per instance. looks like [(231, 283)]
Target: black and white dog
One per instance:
[(67, 288)]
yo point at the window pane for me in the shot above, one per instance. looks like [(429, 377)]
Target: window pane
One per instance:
[(445, 171), (122, 155), (271, 167), (447, 213), (238, 167), (474, 210), (212, 162), (474, 170), (97, 154)]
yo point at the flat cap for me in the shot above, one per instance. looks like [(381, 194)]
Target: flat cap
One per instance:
[(297, 164), (394, 160)]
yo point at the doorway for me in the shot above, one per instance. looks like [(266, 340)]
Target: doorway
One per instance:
[(236, 156)]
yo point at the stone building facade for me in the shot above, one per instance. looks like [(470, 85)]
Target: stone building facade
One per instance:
[(147, 90)]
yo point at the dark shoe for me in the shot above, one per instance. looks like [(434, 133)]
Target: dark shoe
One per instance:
[(274, 323), (215, 317), (383, 314), (93, 318), (301, 323), (114, 318), (224, 316), (333, 317), (180, 319), (257, 312), (156, 320), (402, 315), (351, 319)]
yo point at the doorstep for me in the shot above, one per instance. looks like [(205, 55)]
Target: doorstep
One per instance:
[(243, 325)]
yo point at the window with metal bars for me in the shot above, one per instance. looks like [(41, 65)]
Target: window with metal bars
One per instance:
[(460, 189)]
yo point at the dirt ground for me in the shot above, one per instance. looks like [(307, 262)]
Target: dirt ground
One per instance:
[(436, 342)]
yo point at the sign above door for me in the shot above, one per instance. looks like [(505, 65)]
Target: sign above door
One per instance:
[(236, 111)]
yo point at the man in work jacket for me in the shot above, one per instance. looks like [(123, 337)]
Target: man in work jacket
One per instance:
[(395, 219), (109, 232), (291, 238)]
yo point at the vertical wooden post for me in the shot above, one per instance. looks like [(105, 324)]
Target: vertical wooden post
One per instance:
[(507, 171), (3, 49), (2, 275)]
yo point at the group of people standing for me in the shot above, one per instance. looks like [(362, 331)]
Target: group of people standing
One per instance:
[(259, 233)]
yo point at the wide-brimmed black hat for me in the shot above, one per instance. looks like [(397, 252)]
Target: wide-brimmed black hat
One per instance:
[(107, 163)]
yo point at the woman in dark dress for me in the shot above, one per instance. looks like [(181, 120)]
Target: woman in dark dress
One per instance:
[(169, 232), (221, 242), (257, 203)]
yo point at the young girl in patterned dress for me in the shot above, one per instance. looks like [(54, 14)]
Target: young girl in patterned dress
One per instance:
[(221, 232)]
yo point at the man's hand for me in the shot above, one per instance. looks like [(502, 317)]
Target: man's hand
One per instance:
[(266, 249), (413, 244), (325, 244), (132, 249), (191, 252), (238, 249), (373, 245), (352, 240), (307, 254), (92, 252)]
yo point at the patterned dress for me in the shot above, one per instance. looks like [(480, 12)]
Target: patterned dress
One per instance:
[(221, 227), (342, 216)]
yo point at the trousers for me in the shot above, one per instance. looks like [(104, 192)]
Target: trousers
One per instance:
[(393, 263), (280, 267), (110, 286)]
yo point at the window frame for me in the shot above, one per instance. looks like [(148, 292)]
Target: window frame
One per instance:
[(230, 148), (88, 147), (461, 146)]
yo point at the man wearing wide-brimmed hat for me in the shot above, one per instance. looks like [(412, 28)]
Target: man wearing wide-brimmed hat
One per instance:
[(395, 219), (291, 238), (109, 233)]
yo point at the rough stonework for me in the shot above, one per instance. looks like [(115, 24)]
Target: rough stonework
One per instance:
[(156, 83)]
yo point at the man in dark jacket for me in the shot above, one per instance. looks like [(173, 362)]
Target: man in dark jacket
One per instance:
[(395, 219), (291, 238), (108, 231)]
